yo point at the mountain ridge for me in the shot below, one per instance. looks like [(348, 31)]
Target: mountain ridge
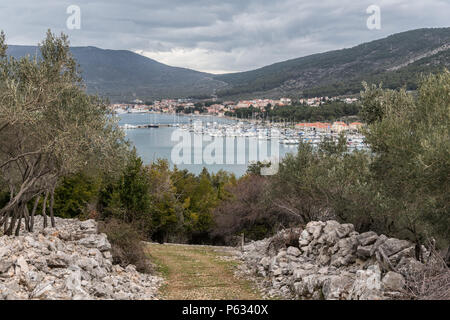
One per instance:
[(122, 75), (396, 60), (303, 74)]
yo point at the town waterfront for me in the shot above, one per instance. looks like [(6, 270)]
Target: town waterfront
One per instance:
[(156, 143)]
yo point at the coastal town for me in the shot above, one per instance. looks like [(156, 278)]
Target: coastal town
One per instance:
[(286, 133), (219, 109)]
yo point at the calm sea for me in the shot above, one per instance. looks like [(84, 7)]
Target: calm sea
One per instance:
[(158, 143)]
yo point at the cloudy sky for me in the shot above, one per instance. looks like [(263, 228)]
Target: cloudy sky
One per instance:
[(218, 36)]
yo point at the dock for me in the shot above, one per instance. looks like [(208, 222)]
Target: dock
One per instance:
[(147, 126)]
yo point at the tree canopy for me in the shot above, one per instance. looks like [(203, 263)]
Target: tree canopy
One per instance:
[(49, 128)]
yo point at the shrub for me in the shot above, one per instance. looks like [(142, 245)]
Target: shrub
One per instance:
[(284, 239), (127, 246), (248, 210), (431, 283)]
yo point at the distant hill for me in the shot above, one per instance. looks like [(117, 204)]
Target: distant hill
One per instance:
[(396, 61), (123, 75)]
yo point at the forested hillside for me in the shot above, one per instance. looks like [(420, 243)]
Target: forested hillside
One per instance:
[(391, 60), (397, 61)]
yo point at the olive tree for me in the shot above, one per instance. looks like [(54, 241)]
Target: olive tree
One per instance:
[(49, 128), (410, 139)]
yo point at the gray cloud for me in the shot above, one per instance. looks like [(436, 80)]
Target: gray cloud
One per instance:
[(219, 36)]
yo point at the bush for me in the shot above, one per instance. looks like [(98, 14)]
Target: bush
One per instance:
[(431, 283), (410, 140), (127, 246), (248, 210), (284, 239), (400, 188)]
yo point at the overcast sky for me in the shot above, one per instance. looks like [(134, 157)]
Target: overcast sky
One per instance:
[(219, 36)]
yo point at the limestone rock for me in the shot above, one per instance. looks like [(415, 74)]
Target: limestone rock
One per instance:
[(410, 266), (392, 246), (315, 228), (363, 252), (293, 251), (5, 265), (405, 253), (305, 238), (58, 260), (367, 238), (96, 241), (393, 281), (336, 287), (333, 262), (345, 252), (21, 266), (71, 261), (42, 290), (367, 285), (381, 239)]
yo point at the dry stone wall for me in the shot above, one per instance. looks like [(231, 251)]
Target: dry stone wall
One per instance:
[(71, 261), (332, 261)]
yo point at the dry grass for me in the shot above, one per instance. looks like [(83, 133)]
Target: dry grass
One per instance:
[(432, 283), (199, 273)]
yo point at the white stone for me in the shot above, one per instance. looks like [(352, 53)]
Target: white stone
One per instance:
[(393, 281), (367, 285), (293, 251), (21, 266)]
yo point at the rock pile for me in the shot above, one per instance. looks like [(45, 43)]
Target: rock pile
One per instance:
[(71, 261), (332, 261)]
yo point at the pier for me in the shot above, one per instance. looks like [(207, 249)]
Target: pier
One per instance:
[(146, 126)]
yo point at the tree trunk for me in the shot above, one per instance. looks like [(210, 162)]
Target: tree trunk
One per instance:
[(19, 213), (14, 202), (5, 222), (418, 252), (33, 212), (52, 201), (26, 217), (13, 222), (44, 214)]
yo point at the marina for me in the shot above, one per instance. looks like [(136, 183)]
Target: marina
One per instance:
[(151, 134), (285, 135)]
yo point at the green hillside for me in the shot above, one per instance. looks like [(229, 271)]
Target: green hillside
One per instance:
[(341, 71)]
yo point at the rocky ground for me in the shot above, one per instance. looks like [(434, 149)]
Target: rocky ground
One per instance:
[(71, 261), (330, 261)]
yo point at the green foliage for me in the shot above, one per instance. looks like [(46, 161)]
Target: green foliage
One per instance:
[(165, 210), (49, 127), (74, 194), (166, 205), (255, 167), (401, 188), (327, 112), (411, 165), (127, 197)]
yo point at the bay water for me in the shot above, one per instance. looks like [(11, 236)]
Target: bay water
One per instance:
[(158, 143)]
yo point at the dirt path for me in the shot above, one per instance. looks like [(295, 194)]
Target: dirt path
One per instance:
[(199, 273)]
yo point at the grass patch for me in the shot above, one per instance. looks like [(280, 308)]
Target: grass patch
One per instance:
[(198, 273)]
